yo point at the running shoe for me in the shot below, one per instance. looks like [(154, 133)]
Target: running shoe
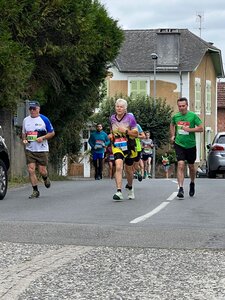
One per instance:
[(130, 194), (118, 196), (47, 183), (35, 194), (139, 177), (192, 189), (180, 193)]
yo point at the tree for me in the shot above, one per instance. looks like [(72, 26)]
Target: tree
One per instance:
[(154, 117), (57, 51)]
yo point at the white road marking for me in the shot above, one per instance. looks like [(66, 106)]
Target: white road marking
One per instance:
[(172, 196), (151, 213)]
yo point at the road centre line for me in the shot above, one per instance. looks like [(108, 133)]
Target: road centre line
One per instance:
[(151, 213), (155, 210), (172, 196)]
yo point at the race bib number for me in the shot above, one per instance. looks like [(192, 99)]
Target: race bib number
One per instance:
[(32, 136), (111, 157), (180, 124), (148, 150), (121, 143), (99, 144)]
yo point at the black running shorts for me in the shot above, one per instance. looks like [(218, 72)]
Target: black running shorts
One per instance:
[(185, 154)]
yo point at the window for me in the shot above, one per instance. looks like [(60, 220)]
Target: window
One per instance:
[(208, 131), (221, 139), (198, 147), (168, 47), (197, 95), (208, 95), (138, 88)]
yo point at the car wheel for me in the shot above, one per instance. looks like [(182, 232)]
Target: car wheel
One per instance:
[(211, 174), (3, 180)]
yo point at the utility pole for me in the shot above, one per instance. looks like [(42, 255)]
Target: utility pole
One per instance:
[(200, 19), (154, 57)]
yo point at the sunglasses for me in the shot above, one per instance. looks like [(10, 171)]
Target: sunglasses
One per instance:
[(32, 108)]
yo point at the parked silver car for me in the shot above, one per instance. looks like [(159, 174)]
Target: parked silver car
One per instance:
[(216, 156)]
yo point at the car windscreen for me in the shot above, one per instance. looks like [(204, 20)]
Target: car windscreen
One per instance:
[(221, 139)]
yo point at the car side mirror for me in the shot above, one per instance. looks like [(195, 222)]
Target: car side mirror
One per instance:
[(208, 146)]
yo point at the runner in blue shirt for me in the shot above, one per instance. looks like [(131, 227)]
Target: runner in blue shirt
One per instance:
[(98, 141)]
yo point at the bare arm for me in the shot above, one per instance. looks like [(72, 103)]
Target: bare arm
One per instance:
[(48, 136), (141, 135), (130, 132), (198, 128), (172, 133), (40, 139)]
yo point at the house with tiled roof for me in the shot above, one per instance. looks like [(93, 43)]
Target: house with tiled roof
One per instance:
[(221, 106), (185, 65)]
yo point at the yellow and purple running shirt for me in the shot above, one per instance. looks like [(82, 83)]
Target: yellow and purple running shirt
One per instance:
[(128, 122)]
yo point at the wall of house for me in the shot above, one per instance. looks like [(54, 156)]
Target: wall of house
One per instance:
[(169, 86), (221, 106), (166, 90), (221, 119), (117, 87), (205, 71)]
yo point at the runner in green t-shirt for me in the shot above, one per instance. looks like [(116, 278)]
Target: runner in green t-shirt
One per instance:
[(183, 126)]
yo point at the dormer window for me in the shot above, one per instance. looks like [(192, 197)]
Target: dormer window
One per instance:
[(168, 48)]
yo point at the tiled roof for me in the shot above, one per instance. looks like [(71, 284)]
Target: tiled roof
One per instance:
[(135, 53), (221, 94)]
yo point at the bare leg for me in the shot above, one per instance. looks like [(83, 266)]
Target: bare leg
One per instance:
[(119, 173), (136, 166), (43, 171), (145, 167), (32, 174), (142, 167), (180, 173), (110, 169), (192, 172), (129, 174), (149, 165)]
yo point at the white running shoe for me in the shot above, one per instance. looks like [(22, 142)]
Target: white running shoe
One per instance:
[(130, 194), (118, 196)]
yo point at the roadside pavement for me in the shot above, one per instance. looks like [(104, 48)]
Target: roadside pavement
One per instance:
[(56, 272)]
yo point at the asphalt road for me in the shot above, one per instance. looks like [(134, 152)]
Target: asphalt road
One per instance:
[(83, 213), (75, 242)]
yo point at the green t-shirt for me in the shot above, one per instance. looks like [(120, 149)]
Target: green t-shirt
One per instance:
[(183, 138)]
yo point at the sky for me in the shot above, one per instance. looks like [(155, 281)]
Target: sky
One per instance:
[(190, 14)]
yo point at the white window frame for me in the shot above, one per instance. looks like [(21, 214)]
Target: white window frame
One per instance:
[(197, 95), (198, 146), (134, 78), (208, 97), (208, 135)]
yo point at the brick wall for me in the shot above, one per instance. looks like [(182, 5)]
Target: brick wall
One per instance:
[(221, 119), (221, 106)]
